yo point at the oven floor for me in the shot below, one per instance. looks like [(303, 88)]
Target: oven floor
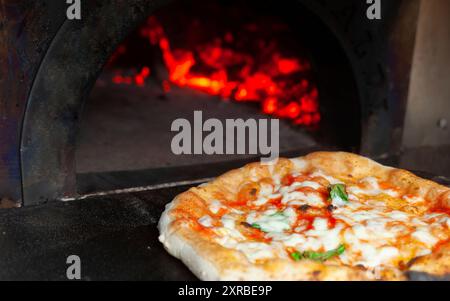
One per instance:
[(115, 236), (130, 127)]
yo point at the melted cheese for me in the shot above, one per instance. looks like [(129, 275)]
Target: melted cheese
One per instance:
[(291, 215), (258, 251), (374, 188), (319, 173), (413, 199), (215, 206), (205, 221), (289, 240), (320, 224), (310, 184), (228, 221), (424, 236), (270, 221), (372, 256), (338, 201), (301, 198), (326, 238), (265, 194), (372, 232)]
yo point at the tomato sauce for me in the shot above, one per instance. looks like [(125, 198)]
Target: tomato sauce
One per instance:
[(276, 202), (238, 203), (440, 210), (289, 179), (440, 244)]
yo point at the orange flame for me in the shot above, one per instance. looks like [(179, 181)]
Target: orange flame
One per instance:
[(269, 83)]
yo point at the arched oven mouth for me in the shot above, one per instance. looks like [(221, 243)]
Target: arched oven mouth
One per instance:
[(334, 78), (278, 68), (326, 80), (188, 59)]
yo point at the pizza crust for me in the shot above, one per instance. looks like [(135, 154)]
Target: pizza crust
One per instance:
[(210, 261)]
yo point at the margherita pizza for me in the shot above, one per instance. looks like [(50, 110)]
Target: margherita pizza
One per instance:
[(325, 216)]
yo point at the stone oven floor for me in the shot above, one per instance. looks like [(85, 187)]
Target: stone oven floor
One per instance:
[(123, 133), (119, 132)]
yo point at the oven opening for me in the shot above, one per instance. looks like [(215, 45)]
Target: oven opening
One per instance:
[(229, 60)]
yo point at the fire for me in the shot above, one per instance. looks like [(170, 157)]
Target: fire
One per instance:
[(138, 79), (277, 82)]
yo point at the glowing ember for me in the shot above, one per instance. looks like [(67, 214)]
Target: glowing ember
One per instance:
[(277, 82), (138, 79)]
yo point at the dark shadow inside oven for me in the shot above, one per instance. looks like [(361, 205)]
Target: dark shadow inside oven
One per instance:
[(125, 133)]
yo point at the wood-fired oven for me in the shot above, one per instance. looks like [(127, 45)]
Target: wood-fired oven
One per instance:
[(86, 105)]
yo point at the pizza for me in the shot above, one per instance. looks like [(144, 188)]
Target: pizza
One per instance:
[(324, 216)]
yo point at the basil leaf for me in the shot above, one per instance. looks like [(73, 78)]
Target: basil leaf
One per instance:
[(322, 256), (256, 226), (296, 256), (279, 213), (340, 249), (337, 193), (318, 256)]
